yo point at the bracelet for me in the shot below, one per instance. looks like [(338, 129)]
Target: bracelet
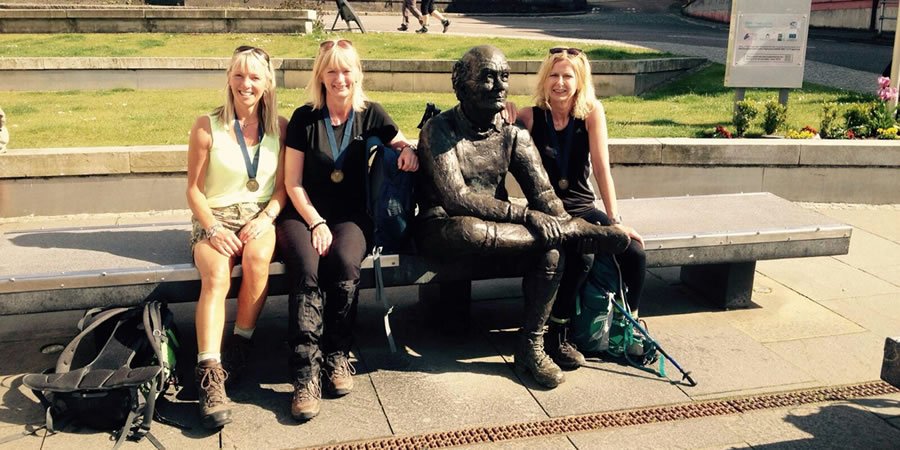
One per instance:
[(525, 215), (319, 222), (213, 229), (411, 147)]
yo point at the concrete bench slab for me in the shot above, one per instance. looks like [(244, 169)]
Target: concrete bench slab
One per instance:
[(717, 240)]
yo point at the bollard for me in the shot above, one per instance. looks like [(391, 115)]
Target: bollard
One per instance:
[(4, 133), (890, 365)]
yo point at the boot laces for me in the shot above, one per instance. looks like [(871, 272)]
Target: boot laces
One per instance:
[(343, 368), (213, 384), (565, 346), (310, 390)]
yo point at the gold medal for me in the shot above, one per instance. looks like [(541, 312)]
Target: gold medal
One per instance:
[(252, 185), (337, 176), (564, 183)]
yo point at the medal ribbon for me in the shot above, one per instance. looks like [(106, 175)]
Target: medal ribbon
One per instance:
[(561, 153), (338, 162), (251, 167)]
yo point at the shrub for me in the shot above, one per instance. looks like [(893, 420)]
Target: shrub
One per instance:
[(860, 118), (831, 127), (744, 113), (774, 116)]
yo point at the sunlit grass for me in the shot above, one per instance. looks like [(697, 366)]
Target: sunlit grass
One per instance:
[(690, 107), (370, 45)]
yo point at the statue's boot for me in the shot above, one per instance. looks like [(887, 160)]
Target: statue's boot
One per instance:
[(595, 237), (539, 289)]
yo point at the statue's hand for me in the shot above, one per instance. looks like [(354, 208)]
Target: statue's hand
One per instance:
[(546, 226)]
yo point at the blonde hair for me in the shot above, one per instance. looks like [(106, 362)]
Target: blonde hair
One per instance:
[(246, 58), (338, 55), (585, 98)]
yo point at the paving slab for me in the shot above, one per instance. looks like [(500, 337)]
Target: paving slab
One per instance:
[(868, 250), (843, 359), (707, 432), (722, 358), (825, 278), (546, 443), (884, 406), (879, 314), (827, 426), (781, 314), (880, 220)]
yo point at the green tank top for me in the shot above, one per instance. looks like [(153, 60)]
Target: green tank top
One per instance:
[(226, 173)]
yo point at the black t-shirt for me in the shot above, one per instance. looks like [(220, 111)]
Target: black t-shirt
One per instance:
[(306, 133), (579, 196)]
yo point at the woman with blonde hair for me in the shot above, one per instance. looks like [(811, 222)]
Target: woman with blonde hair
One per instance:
[(568, 126), (235, 192), (325, 231)]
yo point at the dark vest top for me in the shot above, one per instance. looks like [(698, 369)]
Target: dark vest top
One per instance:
[(579, 196)]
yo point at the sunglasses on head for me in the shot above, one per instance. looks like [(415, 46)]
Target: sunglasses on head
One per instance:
[(571, 51), (342, 43), (250, 48)]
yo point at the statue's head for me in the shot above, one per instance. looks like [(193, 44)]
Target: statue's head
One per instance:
[(481, 80)]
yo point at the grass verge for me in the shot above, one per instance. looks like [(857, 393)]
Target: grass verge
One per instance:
[(369, 45), (689, 107)]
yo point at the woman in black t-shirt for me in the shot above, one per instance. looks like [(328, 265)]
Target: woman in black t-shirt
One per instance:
[(568, 127), (325, 233)]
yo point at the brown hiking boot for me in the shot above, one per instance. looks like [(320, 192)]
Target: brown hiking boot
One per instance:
[(340, 374), (558, 347), (307, 397), (214, 409), (530, 357), (235, 356)]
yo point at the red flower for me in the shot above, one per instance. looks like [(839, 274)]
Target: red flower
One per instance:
[(850, 134), (810, 129), (722, 132)]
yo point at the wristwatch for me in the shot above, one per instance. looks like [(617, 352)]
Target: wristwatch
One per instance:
[(213, 229), (616, 220), (272, 215)]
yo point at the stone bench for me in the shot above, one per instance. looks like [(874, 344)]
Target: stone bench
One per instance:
[(716, 239)]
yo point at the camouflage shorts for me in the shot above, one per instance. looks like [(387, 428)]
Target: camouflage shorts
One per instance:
[(233, 217)]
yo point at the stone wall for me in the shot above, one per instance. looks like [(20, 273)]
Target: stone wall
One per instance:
[(454, 6)]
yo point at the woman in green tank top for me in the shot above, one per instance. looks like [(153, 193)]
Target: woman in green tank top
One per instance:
[(235, 191)]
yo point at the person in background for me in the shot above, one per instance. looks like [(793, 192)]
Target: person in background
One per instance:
[(568, 126), (409, 6), (429, 10), (235, 192), (325, 232), (4, 132)]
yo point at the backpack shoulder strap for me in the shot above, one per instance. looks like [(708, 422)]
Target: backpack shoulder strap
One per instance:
[(64, 363)]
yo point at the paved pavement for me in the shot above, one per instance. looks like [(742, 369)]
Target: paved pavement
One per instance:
[(816, 323)]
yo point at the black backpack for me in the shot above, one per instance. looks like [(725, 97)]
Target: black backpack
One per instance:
[(130, 364)]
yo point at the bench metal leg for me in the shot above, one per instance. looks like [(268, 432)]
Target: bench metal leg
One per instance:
[(728, 286), (449, 304)]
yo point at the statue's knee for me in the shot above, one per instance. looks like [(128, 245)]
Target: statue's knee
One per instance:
[(551, 263)]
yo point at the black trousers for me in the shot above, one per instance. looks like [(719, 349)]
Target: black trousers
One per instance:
[(633, 263), (323, 290)]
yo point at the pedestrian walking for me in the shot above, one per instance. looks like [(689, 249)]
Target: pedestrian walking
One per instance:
[(428, 10), (409, 6)]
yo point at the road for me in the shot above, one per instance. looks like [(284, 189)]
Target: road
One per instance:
[(842, 59)]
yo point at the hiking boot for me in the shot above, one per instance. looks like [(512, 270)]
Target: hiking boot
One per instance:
[(424, 29), (235, 356), (558, 347), (402, 27), (530, 357), (307, 398), (446, 24), (214, 409), (340, 374)]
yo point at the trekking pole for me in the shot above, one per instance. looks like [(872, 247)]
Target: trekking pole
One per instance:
[(686, 375)]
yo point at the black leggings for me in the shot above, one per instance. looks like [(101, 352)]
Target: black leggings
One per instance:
[(633, 263)]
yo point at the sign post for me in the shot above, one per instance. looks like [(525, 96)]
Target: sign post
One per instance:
[(767, 45)]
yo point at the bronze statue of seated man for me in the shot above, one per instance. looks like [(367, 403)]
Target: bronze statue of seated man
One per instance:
[(464, 210)]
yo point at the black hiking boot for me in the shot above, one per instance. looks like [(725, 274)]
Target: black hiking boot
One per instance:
[(530, 357), (446, 24), (422, 30), (558, 347), (402, 27), (214, 409), (235, 356)]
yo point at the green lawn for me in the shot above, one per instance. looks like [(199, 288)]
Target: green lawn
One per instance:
[(370, 45), (690, 107)]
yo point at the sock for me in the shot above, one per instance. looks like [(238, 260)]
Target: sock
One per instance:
[(558, 320), (202, 356), (246, 333)]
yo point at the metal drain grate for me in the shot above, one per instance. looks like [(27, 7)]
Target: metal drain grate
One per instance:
[(590, 422)]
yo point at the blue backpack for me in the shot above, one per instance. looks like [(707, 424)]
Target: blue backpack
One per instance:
[(389, 196)]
